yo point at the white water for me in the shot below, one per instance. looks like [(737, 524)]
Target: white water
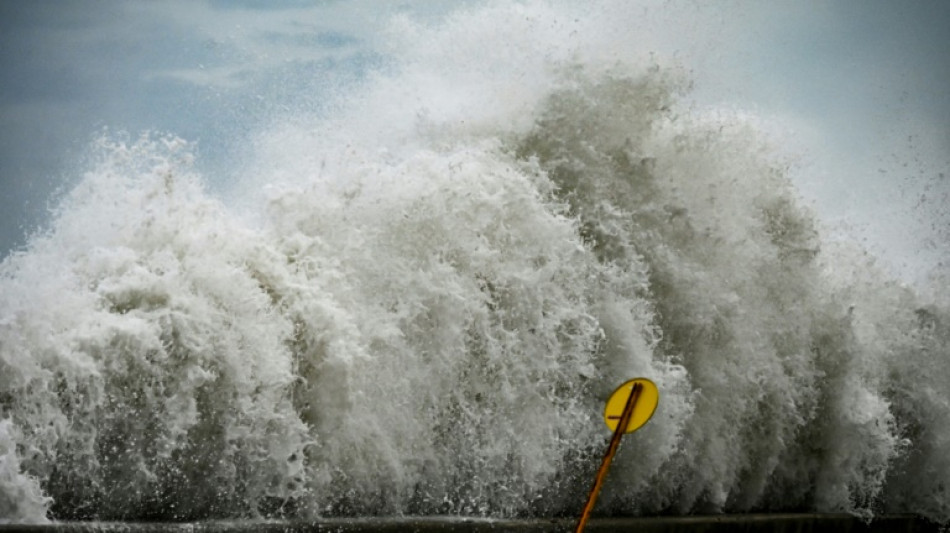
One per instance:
[(434, 291)]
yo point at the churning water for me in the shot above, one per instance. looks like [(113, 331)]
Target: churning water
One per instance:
[(420, 301)]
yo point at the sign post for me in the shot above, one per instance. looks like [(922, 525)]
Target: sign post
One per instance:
[(628, 408)]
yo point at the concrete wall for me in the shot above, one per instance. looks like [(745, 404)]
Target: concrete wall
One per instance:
[(753, 523)]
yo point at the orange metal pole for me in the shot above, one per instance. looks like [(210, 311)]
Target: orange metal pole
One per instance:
[(609, 456)]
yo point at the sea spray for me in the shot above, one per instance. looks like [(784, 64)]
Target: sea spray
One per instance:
[(427, 318), (137, 354)]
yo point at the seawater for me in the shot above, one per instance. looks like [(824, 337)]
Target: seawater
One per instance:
[(418, 302)]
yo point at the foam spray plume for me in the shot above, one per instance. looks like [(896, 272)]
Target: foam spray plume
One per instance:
[(432, 328)]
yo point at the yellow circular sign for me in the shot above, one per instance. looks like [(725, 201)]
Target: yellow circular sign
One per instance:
[(647, 398)]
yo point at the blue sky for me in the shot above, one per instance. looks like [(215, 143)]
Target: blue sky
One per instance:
[(865, 86)]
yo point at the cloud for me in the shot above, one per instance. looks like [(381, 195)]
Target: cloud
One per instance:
[(245, 42)]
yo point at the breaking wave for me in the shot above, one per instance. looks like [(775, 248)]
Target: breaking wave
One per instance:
[(427, 320)]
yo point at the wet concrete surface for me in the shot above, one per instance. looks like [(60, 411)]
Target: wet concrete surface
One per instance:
[(750, 523)]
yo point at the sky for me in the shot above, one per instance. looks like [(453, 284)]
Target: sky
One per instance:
[(864, 87)]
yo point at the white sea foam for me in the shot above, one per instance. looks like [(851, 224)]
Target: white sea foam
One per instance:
[(446, 278)]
